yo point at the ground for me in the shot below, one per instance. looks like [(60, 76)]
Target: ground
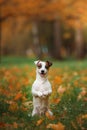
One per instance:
[(68, 101)]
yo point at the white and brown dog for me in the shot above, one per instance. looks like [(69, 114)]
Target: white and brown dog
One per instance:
[(41, 89)]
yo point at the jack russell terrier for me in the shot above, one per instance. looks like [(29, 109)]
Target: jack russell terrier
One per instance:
[(41, 89)]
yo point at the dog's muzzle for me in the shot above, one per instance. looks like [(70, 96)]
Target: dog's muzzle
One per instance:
[(42, 73)]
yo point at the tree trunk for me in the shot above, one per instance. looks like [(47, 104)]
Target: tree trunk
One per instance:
[(37, 46), (57, 40), (79, 44)]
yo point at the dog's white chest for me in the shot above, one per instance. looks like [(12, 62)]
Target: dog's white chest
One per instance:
[(41, 86)]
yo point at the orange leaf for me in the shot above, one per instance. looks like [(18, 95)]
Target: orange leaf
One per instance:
[(51, 117), (85, 99), (56, 100), (58, 126), (13, 107), (39, 122), (61, 90), (2, 124), (15, 125), (58, 80), (82, 93), (11, 87), (84, 116), (24, 108), (18, 96)]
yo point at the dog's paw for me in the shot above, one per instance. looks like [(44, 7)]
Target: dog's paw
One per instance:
[(40, 94), (49, 92), (45, 93), (50, 112)]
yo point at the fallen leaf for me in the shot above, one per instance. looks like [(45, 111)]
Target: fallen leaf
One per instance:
[(56, 100), (82, 93), (74, 125), (15, 125), (61, 89), (58, 80), (84, 116), (51, 117), (2, 124), (58, 126), (28, 103), (18, 96), (13, 107), (39, 122)]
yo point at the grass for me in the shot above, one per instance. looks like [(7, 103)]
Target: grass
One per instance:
[(68, 101)]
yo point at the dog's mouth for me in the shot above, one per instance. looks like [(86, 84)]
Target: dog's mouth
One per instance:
[(42, 74)]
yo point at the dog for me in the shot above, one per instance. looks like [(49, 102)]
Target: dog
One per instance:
[(41, 89)]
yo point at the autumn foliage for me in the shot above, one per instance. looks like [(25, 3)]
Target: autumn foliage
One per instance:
[(68, 101), (42, 9), (23, 24)]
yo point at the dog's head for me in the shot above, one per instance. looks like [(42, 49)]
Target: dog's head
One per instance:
[(42, 67)]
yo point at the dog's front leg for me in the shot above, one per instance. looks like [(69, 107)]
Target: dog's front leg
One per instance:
[(36, 93), (46, 93), (40, 94)]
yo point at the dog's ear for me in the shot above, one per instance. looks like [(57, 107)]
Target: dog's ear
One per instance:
[(49, 63), (36, 62)]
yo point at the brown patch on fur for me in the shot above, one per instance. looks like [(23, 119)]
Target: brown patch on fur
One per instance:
[(48, 64), (39, 65)]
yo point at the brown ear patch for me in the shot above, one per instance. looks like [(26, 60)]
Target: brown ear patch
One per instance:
[(48, 64), (39, 65)]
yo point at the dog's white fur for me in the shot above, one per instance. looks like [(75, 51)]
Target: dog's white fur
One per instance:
[(41, 89)]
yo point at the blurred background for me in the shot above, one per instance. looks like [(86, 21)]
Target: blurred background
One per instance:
[(44, 28)]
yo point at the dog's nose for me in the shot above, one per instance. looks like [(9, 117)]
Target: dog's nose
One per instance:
[(42, 71)]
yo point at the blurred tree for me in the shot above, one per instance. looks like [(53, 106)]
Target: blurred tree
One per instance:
[(77, 18), (79, 42), (37, 46), (51, 10), (57, 39)]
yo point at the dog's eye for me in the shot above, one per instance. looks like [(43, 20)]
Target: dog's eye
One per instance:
[(47, 67), (39, 66)]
